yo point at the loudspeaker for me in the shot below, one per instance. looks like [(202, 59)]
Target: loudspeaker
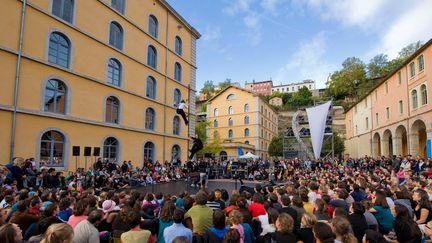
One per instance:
[(96, 151), (87, 151), (76, 150)]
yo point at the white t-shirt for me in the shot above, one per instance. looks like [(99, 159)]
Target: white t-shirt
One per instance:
[(181, 105)]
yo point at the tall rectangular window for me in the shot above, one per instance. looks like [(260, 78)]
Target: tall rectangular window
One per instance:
[(401, 106), (376, 118), (412, 69), (63, 9), (366, 103), (367, 123), (118, 5), (399, 77), (420, 61), (386, 87), (388, 112)]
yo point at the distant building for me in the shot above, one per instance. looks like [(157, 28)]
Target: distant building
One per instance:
[(242, 120), (261, 88), (276, 101), (294, 87)]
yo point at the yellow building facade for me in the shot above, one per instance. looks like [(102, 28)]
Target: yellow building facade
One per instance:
[(241, 119), (99, 73)]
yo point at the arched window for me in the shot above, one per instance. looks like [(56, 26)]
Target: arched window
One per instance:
[(149, 151), (177, 97), (246, 108), (176, 125), (59, 49), (150, 119), (151, 87), (230, 110), (118, 5), (55, 96), (177, 72), (151, 56), (230, 121), (116, 35), (414, 98), (111, 149), (216, 112), (215, 123), (114, 72), (246, 132), (230, 133), (112, 110), (178, 46), (246, 142), (52, 145), (231, 97), (63, 9), (423, 92), (223, 155), (153, 26), (175, 153), (246, 120)]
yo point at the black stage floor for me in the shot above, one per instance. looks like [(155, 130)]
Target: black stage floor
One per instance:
[(176, 187)]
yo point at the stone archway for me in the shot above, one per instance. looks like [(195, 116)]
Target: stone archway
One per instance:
[(400, 141), (387, 143), (376, 141), (418, 139)]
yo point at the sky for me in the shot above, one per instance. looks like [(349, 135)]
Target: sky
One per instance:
[(288, 41)]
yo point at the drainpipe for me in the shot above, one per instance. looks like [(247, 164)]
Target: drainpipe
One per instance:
[(165, 88), (17, 78), (409, 111)]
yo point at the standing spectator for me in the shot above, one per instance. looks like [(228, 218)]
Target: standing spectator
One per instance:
[(86, 231), (321, 211), (232, 236), (217, 232), (178, 229), (285, 203), (305, 233), (235, 218), (257, 207), (136, 234)]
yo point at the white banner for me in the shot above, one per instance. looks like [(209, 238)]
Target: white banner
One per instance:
[(317, 117)]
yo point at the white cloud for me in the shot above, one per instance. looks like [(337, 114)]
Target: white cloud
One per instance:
[(413, 25), (307, 62), (394, 23), (211, 33), (237, 6), (272, 6)]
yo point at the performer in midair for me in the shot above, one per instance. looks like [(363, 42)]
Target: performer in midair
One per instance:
[(180, 110), (196, 146)]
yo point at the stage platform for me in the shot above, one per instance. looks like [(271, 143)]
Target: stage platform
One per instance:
[(176, 187)]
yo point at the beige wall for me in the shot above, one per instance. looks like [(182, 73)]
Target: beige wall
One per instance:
[(84, 124)]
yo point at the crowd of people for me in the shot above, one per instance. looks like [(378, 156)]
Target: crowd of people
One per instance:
[(329, 200)]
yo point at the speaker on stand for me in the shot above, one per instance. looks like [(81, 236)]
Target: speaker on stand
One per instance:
[(76, 151), (87, 153), (96, 153)]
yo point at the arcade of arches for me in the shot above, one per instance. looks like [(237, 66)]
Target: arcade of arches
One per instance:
[(400, 142)]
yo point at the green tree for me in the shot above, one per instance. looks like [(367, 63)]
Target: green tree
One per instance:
[(276, 146), (410, 49), (208, 88), (201, 129), (378, 66), (286, 97), (214, 147), (339, 145), (303, 97), (224, 84), (276, 94), (346, 81)]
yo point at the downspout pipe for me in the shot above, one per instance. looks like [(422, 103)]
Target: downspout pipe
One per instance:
[(165, 88), (17, 79)]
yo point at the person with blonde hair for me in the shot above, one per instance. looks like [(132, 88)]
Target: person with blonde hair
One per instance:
[(236, 219), (284, 229), (10, 233), (59, 233), (305, 233), (343, 230)]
